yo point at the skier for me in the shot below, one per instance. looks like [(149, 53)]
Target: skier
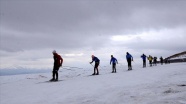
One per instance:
[(155, 61), (161, 60), (129, 59), (57, 64), (143, 56), (113, 60), (150, 60), (97, 61)]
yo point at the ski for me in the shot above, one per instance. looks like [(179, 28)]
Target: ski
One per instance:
[(49, 81), (93, 75), (54, 81)]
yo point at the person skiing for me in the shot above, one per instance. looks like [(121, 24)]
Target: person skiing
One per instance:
[(150, 60), (155, 61), (161, 60), (129, 59), (57, 64), (143, 56), (97, 61), (113, 60)]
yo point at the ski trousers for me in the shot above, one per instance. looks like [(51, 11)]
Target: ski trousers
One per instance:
[(55, 72)]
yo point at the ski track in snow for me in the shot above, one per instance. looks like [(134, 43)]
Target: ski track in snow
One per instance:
[(162, 84)]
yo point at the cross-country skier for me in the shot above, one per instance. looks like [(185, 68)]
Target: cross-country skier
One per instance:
[(161, 60), (143, 56), (113, 60), (150, 60), (57, 64), (155, 61), (129, 59), (97, 61)]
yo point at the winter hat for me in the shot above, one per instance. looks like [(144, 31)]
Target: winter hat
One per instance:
[(92, 56), (54, 51)]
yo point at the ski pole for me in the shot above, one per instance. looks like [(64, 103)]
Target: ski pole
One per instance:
[(134, 62), (92, 65)]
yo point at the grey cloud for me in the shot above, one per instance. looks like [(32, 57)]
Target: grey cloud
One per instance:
[(99, 16), (74, 25)]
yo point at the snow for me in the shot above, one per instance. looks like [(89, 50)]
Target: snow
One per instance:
[(179, 57), (162, 84)]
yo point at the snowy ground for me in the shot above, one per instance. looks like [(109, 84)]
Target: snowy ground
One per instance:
[(162, 84)]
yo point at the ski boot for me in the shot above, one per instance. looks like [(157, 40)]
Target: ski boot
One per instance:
[(52, 79), (93, 74)]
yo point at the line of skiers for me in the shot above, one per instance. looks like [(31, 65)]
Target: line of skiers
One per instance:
[(58, 60), (152, 60), (114, 61)]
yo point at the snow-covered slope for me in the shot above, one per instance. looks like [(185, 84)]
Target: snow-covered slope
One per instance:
[(181, 55), (162, 84)]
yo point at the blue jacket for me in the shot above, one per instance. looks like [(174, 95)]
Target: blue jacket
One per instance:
[(144, 57), (128, 56), (113, 60), (95, 59)]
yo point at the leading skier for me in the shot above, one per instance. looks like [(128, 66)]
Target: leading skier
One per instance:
[(57, 64)]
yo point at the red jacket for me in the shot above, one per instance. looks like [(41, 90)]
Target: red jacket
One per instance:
[(57, 60)]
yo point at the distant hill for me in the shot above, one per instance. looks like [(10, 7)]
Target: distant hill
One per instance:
[(179, 57)]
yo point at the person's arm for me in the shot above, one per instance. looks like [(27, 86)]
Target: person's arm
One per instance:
[(110, 61), (61, 61), (92, 61)]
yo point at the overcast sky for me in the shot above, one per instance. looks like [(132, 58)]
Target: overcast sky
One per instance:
[(31, 29)]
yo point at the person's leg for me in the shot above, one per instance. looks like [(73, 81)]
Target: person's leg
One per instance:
[(97, 71), (128, 64), (57, 74), (115, 67), (53, 74), (112, 67), (94, 69), (143, 63), (150, 63), (97, 68)]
